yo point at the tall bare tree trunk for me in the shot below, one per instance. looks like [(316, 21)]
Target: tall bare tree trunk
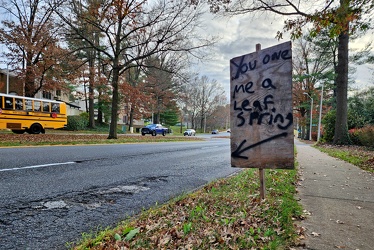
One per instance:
[(131, 120), (29, 77), (91, 95), (115, 101), (99, 110), (115, 83), (341, 127)]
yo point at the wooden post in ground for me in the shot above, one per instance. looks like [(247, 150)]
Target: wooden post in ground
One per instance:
[(262, 183), (261, 170)]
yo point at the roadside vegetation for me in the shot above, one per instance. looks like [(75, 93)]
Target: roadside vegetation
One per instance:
[(360, 152), (225, 214), (360, 156), (10, 139)]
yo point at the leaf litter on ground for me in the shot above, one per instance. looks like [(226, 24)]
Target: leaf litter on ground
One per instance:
[(225, 214)]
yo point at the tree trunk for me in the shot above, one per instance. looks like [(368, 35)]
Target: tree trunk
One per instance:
[(303, 133), (91, 107), (341, 128), (115, 83), (99, 109), (115, 100), (29, 77), (202, 122), (156, 118), (131, 122)]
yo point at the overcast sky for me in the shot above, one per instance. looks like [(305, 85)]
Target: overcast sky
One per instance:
[(239, 36)]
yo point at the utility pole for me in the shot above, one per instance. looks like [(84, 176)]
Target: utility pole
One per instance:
[(311, 115)]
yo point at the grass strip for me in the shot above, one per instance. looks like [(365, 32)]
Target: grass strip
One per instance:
[(225, 214), (9, 140), (358, 156)]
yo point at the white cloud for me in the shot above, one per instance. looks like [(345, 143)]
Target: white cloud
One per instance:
[(239, 36)]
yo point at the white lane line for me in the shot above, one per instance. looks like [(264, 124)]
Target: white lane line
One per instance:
[(209, 147), (37, 166)]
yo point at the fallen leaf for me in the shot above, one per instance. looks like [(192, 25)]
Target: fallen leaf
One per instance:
[(132, 234), (117, 236), (165, 240), (212, 239), (306, 212), (301, 237), (315, 234)]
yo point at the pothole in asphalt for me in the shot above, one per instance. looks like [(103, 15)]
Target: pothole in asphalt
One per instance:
[(93, 200), (54, 204), (91, 205), (124, 189)]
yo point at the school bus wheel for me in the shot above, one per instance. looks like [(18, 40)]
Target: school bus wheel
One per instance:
[(36, 128)]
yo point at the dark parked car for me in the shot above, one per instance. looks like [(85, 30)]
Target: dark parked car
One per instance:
[(215, 131), (189, 132), (154, 129)]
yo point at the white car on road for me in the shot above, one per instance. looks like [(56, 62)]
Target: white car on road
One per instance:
[(189, 132)]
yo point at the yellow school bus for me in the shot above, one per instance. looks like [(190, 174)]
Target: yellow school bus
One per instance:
[(25, 114)]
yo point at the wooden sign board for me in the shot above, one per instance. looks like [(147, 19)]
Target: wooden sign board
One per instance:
[(261, 109)]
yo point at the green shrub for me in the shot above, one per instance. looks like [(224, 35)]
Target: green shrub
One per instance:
[(77, 122), (366, 136), (85, 115), (353, 135), (329, 126)]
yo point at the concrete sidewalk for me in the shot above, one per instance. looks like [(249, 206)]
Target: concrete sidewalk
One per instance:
[(340, 199)]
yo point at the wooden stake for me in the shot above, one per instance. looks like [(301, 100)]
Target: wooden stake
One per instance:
[(262, 183), (261, 170)]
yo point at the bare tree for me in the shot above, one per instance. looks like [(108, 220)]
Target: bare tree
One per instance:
[(202, 97), (134, 30), (32, 39), (211, 95)]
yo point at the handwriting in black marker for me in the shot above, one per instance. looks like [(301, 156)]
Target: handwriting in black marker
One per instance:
[(239, 150)]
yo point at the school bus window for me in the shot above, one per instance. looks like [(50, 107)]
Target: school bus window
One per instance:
[(56, 107), (36, 105), (19, 104), (28, 104), (8, 103), (46, 106)]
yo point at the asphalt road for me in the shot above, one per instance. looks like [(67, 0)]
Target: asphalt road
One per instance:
[(51, 195)]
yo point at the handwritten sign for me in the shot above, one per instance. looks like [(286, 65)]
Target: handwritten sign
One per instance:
[(261, 109)]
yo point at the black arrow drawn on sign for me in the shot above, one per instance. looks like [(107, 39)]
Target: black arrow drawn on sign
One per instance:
[(238, 151)]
